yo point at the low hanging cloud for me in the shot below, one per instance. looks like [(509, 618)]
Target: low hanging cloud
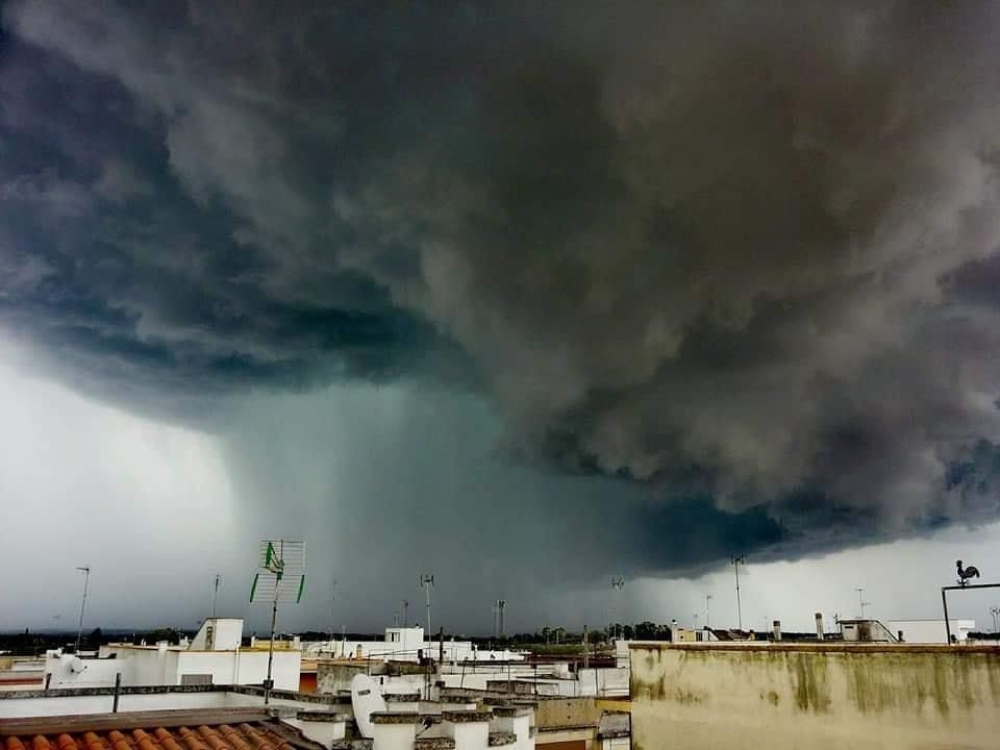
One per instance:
[(737, 254)]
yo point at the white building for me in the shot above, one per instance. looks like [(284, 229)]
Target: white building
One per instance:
[(214, 656), (930, 631), (408, 644)]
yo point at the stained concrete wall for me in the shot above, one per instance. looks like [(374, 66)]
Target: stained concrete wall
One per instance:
[(815, 696)]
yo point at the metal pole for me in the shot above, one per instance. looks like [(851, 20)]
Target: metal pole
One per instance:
[(270, 645), (862, 602), (739, 607), (947, 624), (426, 581), (708, 602), (215, 597), (406, 606), (83, 605), (118, 692)]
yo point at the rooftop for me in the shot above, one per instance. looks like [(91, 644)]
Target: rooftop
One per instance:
[(238, 729)]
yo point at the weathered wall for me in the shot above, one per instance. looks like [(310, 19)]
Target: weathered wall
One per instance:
[(829, 696), (567, 712)]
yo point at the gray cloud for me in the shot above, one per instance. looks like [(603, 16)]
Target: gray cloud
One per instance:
[(718, 262)]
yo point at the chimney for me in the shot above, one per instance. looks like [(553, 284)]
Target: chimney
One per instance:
[(777, 630), (819, 626)]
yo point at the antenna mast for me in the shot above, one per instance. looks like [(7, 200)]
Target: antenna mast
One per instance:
[(617, 584), (427, 583), (284, 578), (85, 569), (862, 602), (736, 562), (498, 616), (215, 596)]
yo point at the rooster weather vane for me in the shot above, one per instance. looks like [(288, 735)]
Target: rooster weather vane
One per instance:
[(964, 574)]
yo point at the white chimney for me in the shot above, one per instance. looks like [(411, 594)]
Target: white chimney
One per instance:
[(819, 626)]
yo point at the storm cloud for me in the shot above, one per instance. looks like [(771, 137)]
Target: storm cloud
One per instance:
[(721, 269)]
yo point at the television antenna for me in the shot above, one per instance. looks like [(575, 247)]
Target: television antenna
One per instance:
[(498, 611), (85, 569), (215, 596), (406, 606), (617, 584), (862, 602), (281, 580), (333, 607), (427, 583), (736, 561)]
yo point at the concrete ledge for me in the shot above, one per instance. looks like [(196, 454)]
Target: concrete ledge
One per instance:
[(466, 717), (401, 697), (832, 647), (328, 716), (499, 739), (510, 712), (358, 744), (434, 743), (395, 717)]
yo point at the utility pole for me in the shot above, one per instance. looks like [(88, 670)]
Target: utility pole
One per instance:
[(708, 602), (995, 611), (862, 602), (736, 561), (85, 569), (427, 582), (406, 606)]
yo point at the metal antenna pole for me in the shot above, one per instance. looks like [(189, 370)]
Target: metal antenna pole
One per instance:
[(406, 606), (736, 561), (333, 607), (83, 605), (427, 582), (708, 602), (215, 597), (617, 584), (270, 644), (862, 602)]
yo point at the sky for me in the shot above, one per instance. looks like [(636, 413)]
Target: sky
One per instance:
[(524, 296)]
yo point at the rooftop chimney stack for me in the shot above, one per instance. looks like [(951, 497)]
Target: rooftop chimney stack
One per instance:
[(777, 630)]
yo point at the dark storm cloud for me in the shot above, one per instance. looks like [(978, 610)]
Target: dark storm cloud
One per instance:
[(734, 252)]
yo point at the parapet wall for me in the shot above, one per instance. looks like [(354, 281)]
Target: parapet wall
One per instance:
[(816, 696)]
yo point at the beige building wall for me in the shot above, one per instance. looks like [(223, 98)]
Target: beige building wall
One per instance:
[(814, 696)]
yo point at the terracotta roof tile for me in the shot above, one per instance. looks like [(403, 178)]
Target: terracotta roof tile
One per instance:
[(260, 735)]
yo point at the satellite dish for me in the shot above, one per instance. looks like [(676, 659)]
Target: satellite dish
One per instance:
[(366, 698), (76, 665)]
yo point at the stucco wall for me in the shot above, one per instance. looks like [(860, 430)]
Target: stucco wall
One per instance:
[(815, 696)]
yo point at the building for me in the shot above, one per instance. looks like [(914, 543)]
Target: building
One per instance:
[(213, 717), (214, 656), (409, 644), (930, 631), (818, 695)]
